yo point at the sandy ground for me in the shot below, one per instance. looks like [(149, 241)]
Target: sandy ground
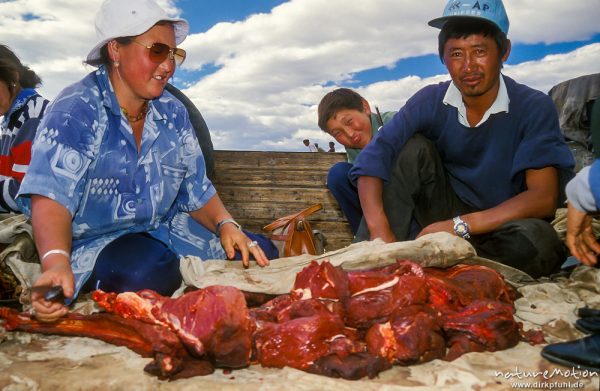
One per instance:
[(35, 362), (39, 362)]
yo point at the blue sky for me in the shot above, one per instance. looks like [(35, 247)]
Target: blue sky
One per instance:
[(430, 65), (208, 13), (257, 69)]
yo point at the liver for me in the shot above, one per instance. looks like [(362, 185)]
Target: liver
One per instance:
[(259, 187)]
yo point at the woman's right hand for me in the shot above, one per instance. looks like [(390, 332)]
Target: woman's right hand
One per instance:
[(56, 274)]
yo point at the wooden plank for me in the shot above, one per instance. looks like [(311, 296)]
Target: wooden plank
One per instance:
[(297, 195), (275, 210), (259, 177), (276, 157), (275, 160)]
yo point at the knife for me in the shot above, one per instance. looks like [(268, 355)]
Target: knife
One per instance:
[(50, 293)]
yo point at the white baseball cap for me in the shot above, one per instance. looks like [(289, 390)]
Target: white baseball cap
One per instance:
[(126, 18)]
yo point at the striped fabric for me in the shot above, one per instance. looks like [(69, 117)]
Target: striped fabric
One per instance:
[(17, 131)]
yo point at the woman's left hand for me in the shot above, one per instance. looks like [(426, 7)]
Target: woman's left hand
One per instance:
[(233, 239)]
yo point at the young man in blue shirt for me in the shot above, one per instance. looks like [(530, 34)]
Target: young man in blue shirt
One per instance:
[(479, 156), (347, 117)]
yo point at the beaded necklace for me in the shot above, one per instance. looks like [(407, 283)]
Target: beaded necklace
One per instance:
[(136, 118)]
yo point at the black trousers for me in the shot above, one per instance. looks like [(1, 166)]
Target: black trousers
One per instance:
[(419, 191)]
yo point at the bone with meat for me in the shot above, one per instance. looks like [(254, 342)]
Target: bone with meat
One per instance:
[(171, 359), (213, 321)]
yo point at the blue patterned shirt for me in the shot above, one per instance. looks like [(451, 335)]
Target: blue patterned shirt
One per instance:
[(85, 157)]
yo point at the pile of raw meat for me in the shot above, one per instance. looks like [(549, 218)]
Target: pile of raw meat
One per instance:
[(337, 323)]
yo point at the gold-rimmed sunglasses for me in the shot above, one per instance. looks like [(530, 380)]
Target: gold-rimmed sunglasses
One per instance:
[(158, 52)]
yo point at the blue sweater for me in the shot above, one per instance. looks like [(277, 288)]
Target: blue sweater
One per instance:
[(486, 165)]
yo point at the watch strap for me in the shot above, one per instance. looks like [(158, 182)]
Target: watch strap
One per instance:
[(458, 222)]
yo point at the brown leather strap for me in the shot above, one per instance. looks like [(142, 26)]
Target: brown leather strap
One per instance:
[(299, 242), (282, 221)]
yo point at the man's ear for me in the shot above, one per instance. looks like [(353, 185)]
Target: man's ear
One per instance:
[(366, 107), (508, 47)]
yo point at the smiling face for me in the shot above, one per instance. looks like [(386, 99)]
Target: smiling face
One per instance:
[(351, 127), (137, 73), (474, 63)]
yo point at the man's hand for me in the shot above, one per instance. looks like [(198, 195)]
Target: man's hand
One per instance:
[(370, 190), (580, 236), (385, 234), (438, 226)]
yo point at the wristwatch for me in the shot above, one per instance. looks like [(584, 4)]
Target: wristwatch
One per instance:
[(461, 228), (225, 221)]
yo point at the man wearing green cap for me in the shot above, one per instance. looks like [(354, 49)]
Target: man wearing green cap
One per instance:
[(479, 156)]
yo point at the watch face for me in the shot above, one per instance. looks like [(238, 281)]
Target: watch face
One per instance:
[(461, 228)]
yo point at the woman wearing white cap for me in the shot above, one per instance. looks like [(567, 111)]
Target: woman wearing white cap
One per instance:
[(117, 181)]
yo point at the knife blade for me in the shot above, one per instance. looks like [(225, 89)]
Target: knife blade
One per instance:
[(50, 293)]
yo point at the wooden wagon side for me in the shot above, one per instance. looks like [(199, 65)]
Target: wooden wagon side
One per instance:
[(259, 187)]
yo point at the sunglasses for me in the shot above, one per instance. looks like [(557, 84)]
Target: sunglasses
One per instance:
[(158, 52)]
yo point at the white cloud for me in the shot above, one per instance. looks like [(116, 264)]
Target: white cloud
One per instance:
[(50, 36), (275, 67), (551, 21), (555, 68), (53, 37)]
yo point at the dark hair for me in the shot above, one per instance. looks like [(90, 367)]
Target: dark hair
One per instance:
[(336, 100), (9, 74), (27, 78), (104, 58), (463, 27)]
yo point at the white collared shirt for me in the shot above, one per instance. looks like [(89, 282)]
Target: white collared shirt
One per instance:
[(453, 97)]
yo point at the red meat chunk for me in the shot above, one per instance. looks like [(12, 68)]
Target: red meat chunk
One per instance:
[(484, 325), (364, 310), (214, 321), (321, 281), (478, 282), (412, 336), (304, 334), (360, 281)]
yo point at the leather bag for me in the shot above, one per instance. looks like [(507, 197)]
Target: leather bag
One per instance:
[(293, 235)]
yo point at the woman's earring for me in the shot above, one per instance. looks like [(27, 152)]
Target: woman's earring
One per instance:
[(117, 64)]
